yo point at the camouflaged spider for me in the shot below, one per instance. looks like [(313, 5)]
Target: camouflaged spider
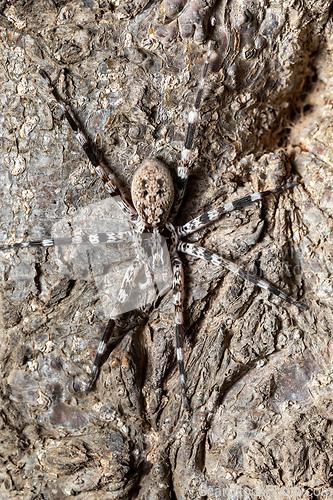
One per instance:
[(155, 204)]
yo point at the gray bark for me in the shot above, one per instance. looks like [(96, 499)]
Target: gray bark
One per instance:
[(259, 372)]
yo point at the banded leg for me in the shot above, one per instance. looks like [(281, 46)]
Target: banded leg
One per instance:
[(217, 260), (123, 295), (215, 213), (141, 253), (178, 300), (107, 177), (193, 117), (94, 239)]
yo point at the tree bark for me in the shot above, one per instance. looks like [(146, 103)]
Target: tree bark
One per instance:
[(258, 372)]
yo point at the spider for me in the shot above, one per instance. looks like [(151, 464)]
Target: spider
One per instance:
[(155, 204)]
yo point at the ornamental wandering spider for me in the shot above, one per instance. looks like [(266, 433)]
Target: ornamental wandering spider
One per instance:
[(155, 204)]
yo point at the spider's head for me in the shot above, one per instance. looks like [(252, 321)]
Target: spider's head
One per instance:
[(152, 193)]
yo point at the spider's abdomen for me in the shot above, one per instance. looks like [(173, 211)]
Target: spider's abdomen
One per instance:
[(152, 192)]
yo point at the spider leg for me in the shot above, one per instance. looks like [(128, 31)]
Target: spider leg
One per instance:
[(178, 300), (193, 117), (138, 238), (215, 213), (107, 177), (123, 295), (217, 260), (94, 239)]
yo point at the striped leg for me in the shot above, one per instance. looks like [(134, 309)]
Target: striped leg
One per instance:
[(107, 177), (215, 213), (160, 264), (178, 300), (94, 239), (193, 117), (123, 295), (141, 253), (217, 260)]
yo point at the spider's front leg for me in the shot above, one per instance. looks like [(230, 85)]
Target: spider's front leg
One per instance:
[(109, 179), (193, 118), (93, 239)]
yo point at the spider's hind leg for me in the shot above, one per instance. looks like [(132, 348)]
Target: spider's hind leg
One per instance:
[(215, 213), (217, 260), (178, 300), (123, 296)]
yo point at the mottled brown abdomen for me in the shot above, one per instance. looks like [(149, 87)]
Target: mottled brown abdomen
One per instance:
[(152, 192)]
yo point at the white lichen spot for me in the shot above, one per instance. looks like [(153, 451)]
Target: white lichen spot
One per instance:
[(27, 208), (288, 406), (42, 399), (122, 427), (261, 363), (32, 365), (90, 316), (76, 344), (65, 15), (19, 52), (17, 64), (29, 124), (22, 86), (7, 160), (27, 194), (115, 87), (12, 16), (47, 347), (321, 380), (232, 435), (108, 415), (297, 335), (16, 205), (77, 178), (19, 165), (104, 103), (34, 305), (97, 407), (81, 101), (267, 428), (128, 42)]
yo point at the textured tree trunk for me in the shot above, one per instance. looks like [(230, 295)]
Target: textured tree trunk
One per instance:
[(258, 372)]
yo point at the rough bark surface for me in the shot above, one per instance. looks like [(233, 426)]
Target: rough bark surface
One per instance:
[(259, 372)]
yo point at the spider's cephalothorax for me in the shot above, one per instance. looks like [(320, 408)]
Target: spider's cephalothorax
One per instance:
[(152, 193), (156, 203)]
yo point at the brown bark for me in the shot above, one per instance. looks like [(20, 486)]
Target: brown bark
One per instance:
[(259, 372)]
